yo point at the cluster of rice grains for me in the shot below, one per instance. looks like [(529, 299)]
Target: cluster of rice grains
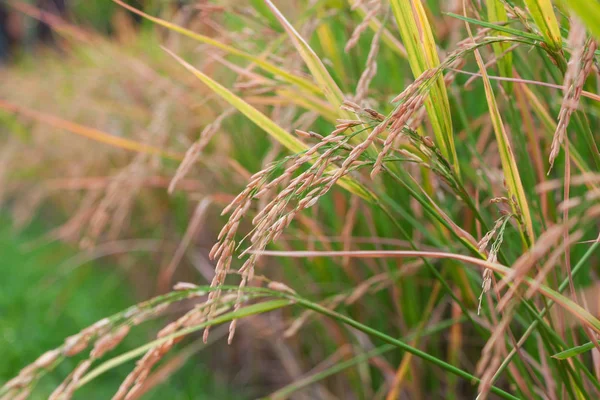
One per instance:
[(98, 339), (298, 193), (285, 188), (104, 337), (579, 67), (300, 180), (134, 384)]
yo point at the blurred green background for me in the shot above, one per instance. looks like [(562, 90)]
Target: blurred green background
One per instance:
[(113, 76), (46, 294)]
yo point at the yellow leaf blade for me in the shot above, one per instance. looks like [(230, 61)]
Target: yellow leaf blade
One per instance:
[(90, 133), (544, 17), (589, 12), (497, 13), (417, 36), (259, 61), (291, 142), (324, 80), (509, 165)]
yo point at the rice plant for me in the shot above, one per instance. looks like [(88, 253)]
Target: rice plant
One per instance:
[(409, 192)]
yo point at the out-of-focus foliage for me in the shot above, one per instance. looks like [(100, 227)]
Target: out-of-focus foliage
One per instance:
[(426, 174)]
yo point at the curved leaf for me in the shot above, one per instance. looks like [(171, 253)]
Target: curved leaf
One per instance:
[(422, 55), (326, 83), (542, 13), (265, 65), (291, 142)]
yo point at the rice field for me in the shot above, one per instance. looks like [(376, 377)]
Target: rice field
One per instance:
[(313, 199)]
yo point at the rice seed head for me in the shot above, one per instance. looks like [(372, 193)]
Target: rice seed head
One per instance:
[(109, 341), (374, 7), (371, 65), (75, 344), (280, 287), (47, 359), (184, 286), (578, 68), (351, 106)]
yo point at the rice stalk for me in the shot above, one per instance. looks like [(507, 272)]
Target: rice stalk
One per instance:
[(319, 136), (579, 312)]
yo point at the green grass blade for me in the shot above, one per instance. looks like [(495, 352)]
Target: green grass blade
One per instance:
[(332, 51), (286, 391), (574, 351), (509, 164), (496, 27), (398, 343), (259, 308), (565, 283), (311, 102), (417, 36)]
